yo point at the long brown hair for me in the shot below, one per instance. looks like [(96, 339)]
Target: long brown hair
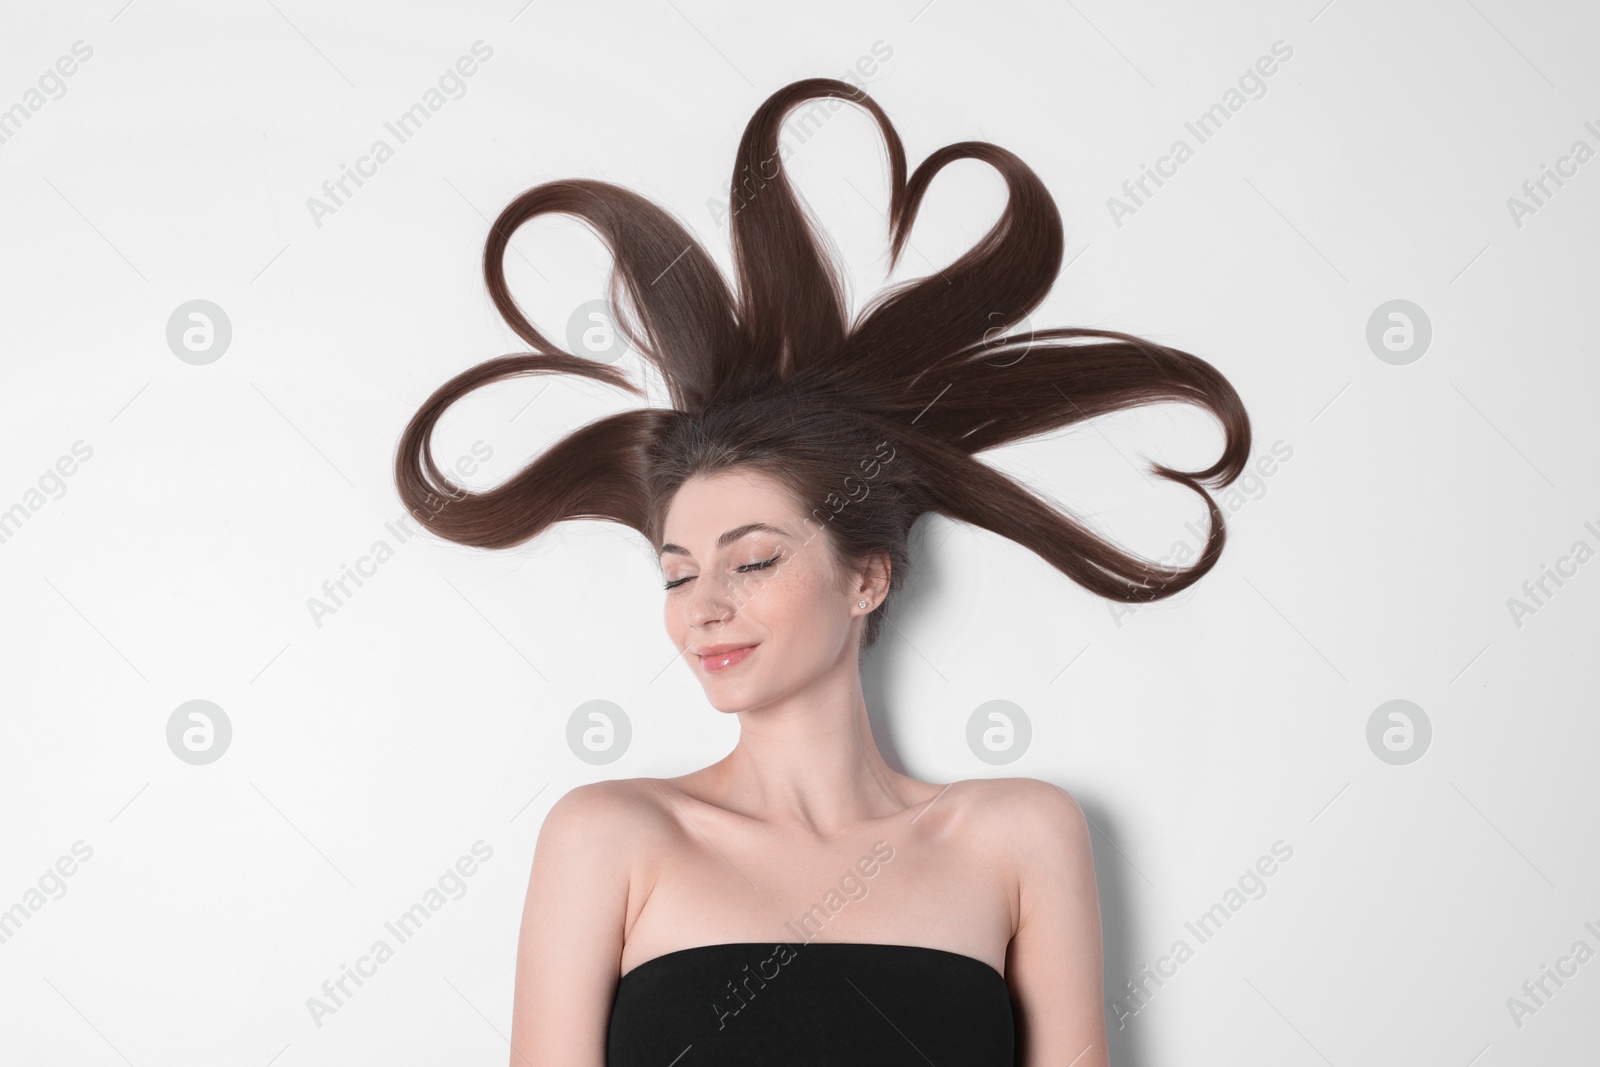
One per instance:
[(870, 423)]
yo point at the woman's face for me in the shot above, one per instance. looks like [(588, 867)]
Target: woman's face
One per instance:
[(744, 567)]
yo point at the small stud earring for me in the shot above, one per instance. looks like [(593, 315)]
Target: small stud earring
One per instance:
[(862, 604)]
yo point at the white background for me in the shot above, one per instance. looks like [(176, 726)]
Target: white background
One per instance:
[(430, 710)]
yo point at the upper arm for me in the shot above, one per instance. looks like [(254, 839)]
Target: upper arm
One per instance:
[(570, 948), (1055, 963)]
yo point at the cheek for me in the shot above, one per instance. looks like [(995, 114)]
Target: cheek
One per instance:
[(801, 614)]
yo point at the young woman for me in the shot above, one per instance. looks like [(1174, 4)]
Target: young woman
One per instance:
[(799, 901)]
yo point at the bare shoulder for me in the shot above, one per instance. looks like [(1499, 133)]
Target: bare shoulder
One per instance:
[(1055, 960), (1028, 811), (1038, 828), (617, 817), (589, 866)]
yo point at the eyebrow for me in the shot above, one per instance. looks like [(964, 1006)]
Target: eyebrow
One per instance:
[(728, 537)]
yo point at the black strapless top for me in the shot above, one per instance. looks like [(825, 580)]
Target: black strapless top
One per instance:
[(821, 1004)]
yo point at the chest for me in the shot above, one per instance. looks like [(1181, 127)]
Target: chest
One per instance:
[(897, 887)]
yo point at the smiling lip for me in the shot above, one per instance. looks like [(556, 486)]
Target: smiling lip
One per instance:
[(715, 658)]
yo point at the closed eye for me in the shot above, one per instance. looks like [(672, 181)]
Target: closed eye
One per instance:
[(763, 565)]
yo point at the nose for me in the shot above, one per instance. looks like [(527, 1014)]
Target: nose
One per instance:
[(710, 601)]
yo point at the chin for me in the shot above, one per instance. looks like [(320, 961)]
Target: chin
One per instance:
[(729, 702), (726, 706)]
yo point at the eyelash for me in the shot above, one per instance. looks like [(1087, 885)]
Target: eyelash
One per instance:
[(763, 565)]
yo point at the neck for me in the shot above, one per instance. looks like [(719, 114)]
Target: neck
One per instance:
[(810, 762)]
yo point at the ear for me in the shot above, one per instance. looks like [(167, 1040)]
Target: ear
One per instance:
[(872, 583)]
